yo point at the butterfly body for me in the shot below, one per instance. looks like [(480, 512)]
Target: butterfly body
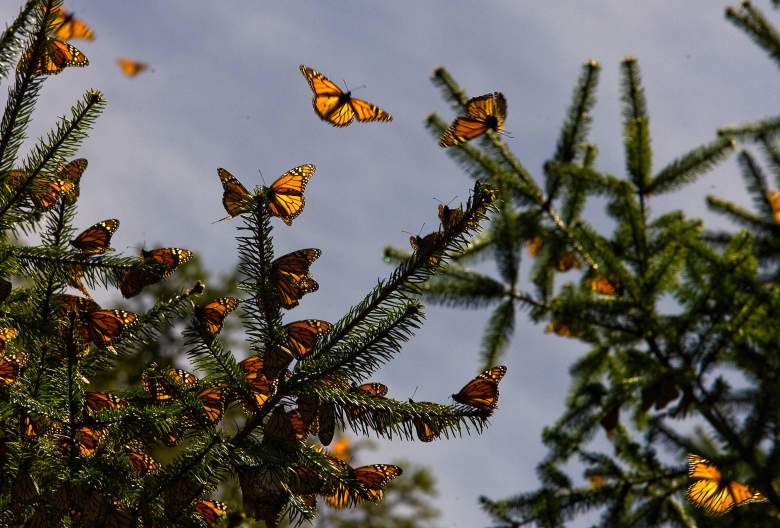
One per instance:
[(336, 106)]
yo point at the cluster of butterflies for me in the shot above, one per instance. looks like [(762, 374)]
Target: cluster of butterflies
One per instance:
[(59, 54), (339, 108)]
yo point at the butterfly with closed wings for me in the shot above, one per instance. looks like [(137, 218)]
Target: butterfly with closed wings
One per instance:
[(483, 113)]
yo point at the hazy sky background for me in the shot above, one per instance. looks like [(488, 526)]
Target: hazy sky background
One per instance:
[(225, 90)]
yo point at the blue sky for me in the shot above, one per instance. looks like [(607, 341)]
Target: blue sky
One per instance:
[(225, 90)]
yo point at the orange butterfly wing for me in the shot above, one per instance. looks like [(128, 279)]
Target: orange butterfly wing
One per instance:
[(712, 492), (234, 195), (482, 391), (210, 510), (212, 315), (106, 326), (66, 26), (365, 111), (303, 335), (56, 56), (290, 274), (213, 403), (486, 112), (285, 198), (96, 239), (130, 67), (142, 463), (261, 386)]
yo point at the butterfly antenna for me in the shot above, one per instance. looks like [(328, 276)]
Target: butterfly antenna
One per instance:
[(415, 392), (262, 178), (508, 134)]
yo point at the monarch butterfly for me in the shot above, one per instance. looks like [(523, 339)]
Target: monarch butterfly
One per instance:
[(558, 328), (372, 479), (234, 194), (67, 26), (96, 239), (306, 481), (130, 67), (535, 246), (261, 386), (290, 275), (713, 492), (43, 191), (55, 57), (285, 196), (276, 359), (326, 418), (10, 369), (213, 403), (100, 401), (71, 173), (101, 327), (337, 107), (376, 390), (160, 388), (308, 406), (605, 286), (774, 202), (486, 112), (158, 264), (426, 432), (88, 440), (284, 428), (303, 335), (142, 463), (450, 218), (212, 315), (210, 510), (482, 391), (610, 420), (7, 333), (430, 245)]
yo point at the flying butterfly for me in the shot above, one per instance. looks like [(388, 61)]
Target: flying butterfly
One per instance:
[(142, 463), (210, 510), (337, 107), (55, 57), (715, 493), (285, 196), (67, 26), (290, 275), (486, 112), (303, 335), (130, 67), (482, 392), (158, 264), (96, 239), (212, 315)]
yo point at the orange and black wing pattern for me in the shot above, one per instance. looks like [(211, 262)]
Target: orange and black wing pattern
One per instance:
[(130, 67), (56, 56), (160, 263), (285, 196), (234, 194), (7, 333), (337, 107), (142, 463), (10, 369), (212, 315), (100, 401), (428, 245), (261, 386), (303, 335), (482, 392), (106, 326), (67, 26), (483, 113), (714, 493), (211, 510), (213, 403), (605, 286), (377, 390), (159, 387), (290, 275), (372, 479), (169, 258), (96, 239), (71, 174)]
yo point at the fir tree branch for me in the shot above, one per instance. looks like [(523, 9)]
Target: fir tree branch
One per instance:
[(575, 128), (498, 333), (738, 215), (11, 41), (769, 127), (459, 287), (687, 168), (752, 21)]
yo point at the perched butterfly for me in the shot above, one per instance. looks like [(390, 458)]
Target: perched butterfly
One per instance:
[(96, 239), (290, 274), (327, 422), (71, 173), (558, 328), (88, 440), (213, 403), (235, 197), (130, 67), (337, 107), (482, 391), (67, 26), (567, 261), (284, 429), (212, 315), (285, 196), (430, 245), (303, 335), (450, 218), (55, 57), (160, 387), (210, 510), (142, 463), (10, 369), (372, 479), (426, 432), (158, 264), (100, 401), (43, 191), (306, 481), (309, 406), (774, 202), (262, 386), (7, 333), (610, 420), (714, 493), (486, 112), (605, 286), (101, 327), (377, 390), (28, 427)]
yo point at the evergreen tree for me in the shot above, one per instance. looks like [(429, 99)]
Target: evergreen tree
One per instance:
[(663, 380), (74, 456)]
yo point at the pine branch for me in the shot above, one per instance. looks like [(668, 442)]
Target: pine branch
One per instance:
[(498, 333), (687, 168), (752, 21), (765, 127), (459, 287), (575, 128), (11, 41), (636, 127)]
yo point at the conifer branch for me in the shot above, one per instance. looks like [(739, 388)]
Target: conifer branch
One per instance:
[(575, 129), (11, 41), (498, 333), (687, 168), (460, 287), (737, 214), (769, 127), (752, 21)]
